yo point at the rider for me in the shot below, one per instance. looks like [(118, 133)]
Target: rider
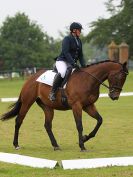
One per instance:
[(71, 52)]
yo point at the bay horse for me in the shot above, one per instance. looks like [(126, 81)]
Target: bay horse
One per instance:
[(82, 91)]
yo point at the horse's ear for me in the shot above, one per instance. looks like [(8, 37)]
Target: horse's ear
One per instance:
[(125, 68), (125, 64)]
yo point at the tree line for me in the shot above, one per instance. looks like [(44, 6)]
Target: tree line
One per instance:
[(119, 27), (24, 44)]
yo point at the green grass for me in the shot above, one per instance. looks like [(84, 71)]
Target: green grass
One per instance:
[(114, 138), (19, 171), (10, 88)]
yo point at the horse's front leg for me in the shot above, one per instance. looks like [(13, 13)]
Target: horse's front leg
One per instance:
[(49, 114), (77, 112), (91, 110)]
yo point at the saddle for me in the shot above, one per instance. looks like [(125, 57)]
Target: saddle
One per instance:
[(48, 78)]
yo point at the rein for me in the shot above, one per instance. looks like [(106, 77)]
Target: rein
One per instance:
[(102, 83)]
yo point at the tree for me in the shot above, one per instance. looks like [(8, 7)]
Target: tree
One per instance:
[(118, 27), (23, 44)]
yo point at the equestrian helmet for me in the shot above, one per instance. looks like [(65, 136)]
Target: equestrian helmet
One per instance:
[(75, 25)]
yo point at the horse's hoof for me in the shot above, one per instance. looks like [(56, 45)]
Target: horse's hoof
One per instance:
[(57, 148), (17, 147), (84, 150)]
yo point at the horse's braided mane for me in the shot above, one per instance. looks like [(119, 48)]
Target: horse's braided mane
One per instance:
[(104, 61)]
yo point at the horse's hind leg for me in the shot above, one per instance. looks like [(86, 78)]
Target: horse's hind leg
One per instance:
[(91, 110), (18, 122)]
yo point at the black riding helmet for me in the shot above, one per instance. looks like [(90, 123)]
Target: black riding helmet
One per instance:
[(75, 25)]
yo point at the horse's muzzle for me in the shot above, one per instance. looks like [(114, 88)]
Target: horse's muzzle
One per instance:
[(114, 96)]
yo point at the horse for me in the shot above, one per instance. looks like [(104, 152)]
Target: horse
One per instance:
[(82, 91)]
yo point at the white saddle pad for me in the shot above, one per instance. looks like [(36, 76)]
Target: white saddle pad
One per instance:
[(47, 77)]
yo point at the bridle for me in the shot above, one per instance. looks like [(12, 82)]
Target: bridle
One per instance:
[(111, 89), (115, 87)]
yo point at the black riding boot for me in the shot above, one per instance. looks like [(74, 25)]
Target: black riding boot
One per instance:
[(67, 75), (57, 83)]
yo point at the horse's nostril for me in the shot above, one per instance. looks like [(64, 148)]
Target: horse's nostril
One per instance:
[(113, 97)]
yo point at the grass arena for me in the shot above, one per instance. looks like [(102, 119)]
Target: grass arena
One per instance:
[(114, 138)]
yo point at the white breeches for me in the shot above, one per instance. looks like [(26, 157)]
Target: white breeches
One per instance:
[(61, 67)]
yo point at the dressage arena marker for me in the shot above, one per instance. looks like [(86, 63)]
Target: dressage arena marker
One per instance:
[(96, 163), (121, 94), (66, 164), (27, 161), (8, 99), (101, 95)]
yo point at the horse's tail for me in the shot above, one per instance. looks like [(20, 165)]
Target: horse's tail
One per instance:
[(15, 108)]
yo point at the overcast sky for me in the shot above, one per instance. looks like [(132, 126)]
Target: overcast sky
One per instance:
[(55, 15)]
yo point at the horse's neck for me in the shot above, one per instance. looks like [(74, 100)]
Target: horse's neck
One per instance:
[(99, 71)]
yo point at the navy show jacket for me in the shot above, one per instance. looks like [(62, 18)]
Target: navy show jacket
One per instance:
[(71, 50)]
